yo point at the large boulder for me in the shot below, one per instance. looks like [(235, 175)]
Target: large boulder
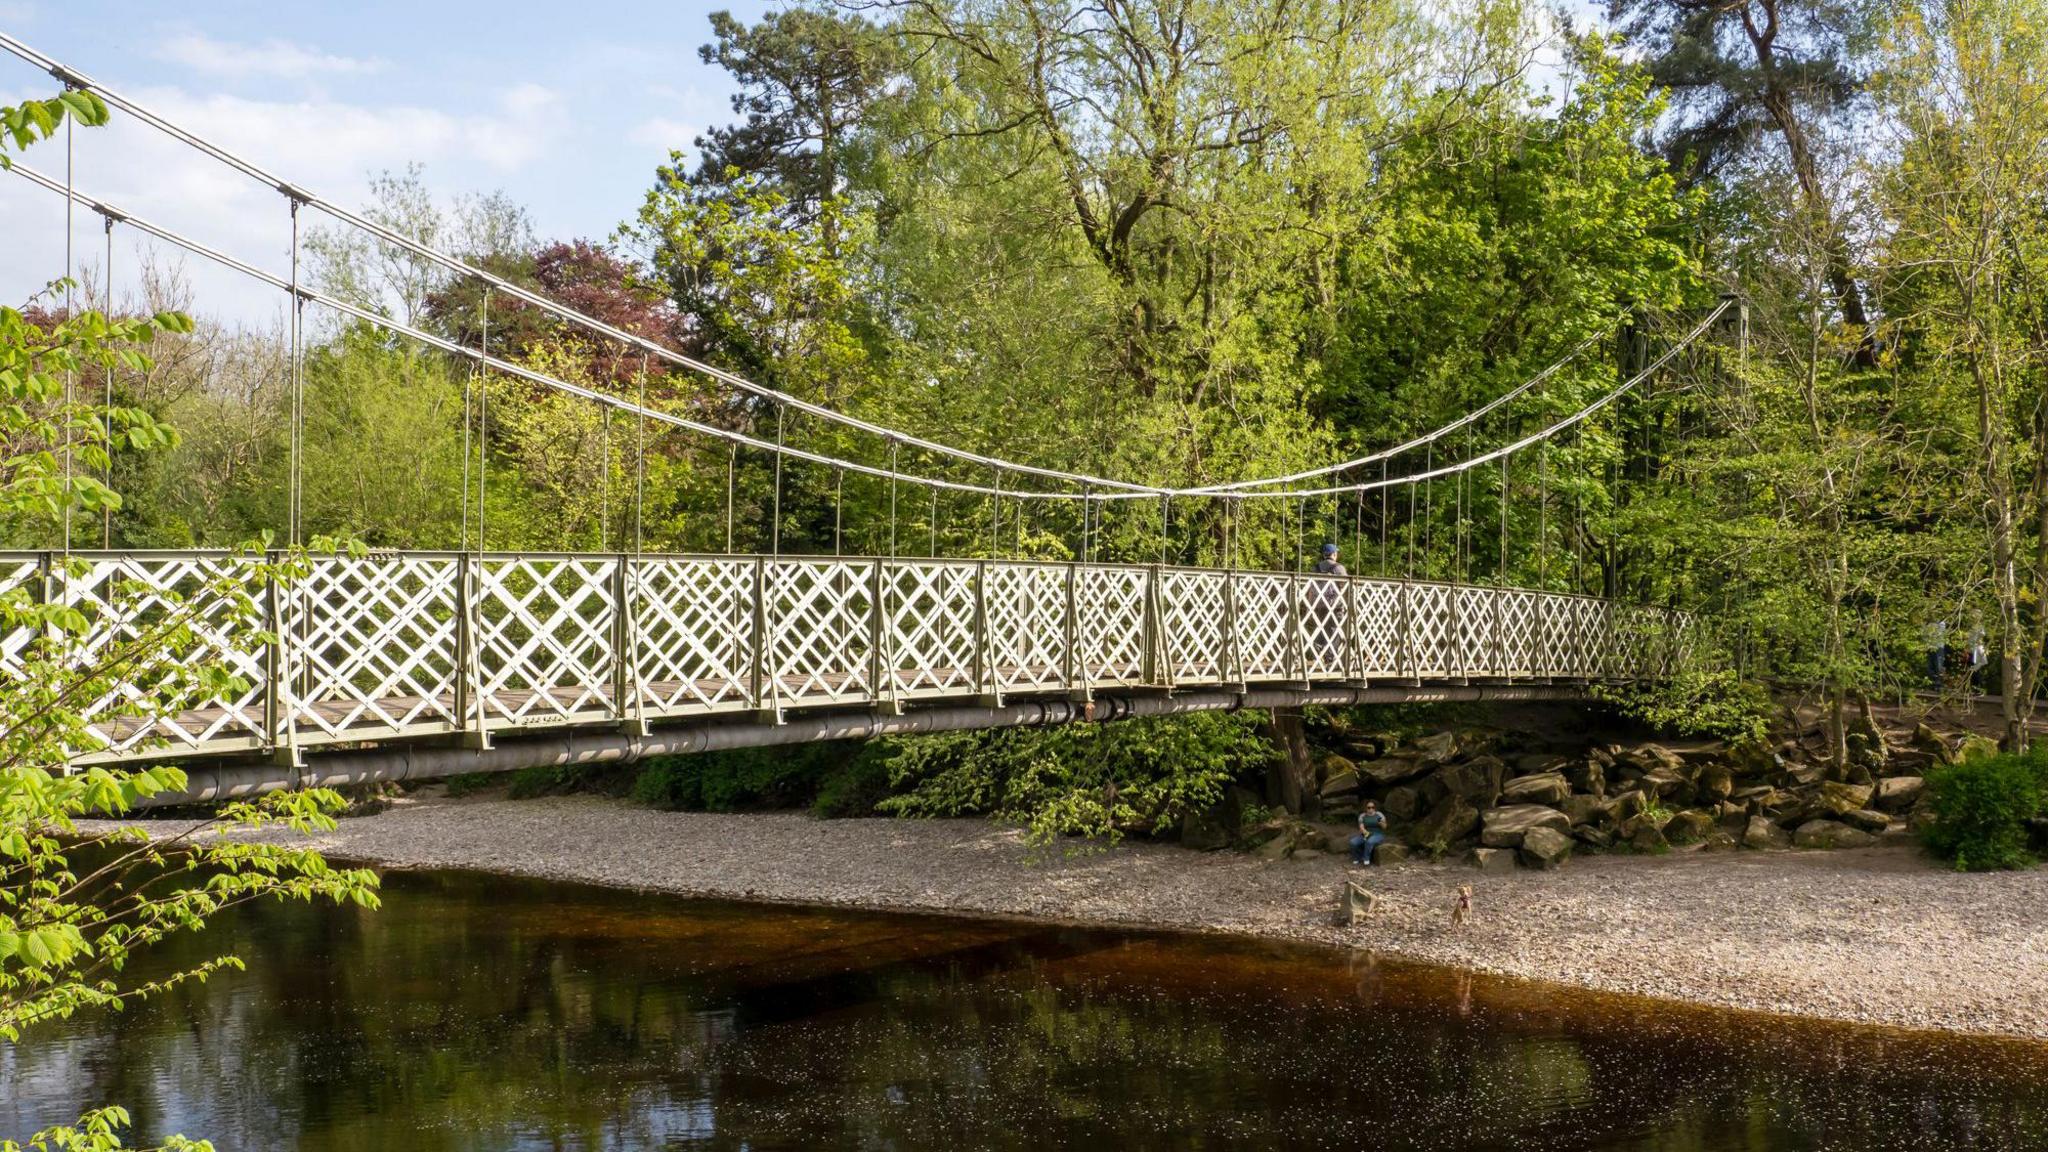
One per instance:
[(1390, 770), (1867, 820), (1666, 783), (1507, 827), (1623, 807), (1593, 837), (1436, 748), (1838, 799), (1543, 788), (1491, 859), (1401, 804), (1342, 786), (1829, 834), (1545, 848), (1930, 742), (1450, 821), (1389, 853), (1898, 793), (1645, 832), (1533, 763), (1763, 833), (1582, 809), (1689, 827), (1975, 747), (1716, 783), (1588, 776), (1648, 758), (1476, 781)]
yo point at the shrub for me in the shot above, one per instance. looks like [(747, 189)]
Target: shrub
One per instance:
[(1981, 807), (1100, 781), (838, 778)]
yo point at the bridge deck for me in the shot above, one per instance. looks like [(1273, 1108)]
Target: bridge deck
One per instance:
[(402, 645)]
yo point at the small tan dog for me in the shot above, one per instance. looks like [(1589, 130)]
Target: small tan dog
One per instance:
[(1463, 907)]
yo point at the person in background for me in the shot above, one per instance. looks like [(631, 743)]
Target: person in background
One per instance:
[(1937, 654), (1372, 832), (1979, 656), (1329, 564)]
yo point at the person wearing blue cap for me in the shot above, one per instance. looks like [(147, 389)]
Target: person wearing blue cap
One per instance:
[(1329, 564)]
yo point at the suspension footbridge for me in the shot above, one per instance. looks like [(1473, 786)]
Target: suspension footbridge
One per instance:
[(380, 665)]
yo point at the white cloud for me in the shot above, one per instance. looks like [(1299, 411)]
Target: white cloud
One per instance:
[(278, 58), (326, 146), (17, 12), (663, 133)]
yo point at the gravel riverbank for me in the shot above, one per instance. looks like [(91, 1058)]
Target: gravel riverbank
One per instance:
[(1871, 935)]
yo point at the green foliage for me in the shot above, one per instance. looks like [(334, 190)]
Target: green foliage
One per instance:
[(1701, 700), (1100, 781), (1980, 808), (837, 778), (68, 930)]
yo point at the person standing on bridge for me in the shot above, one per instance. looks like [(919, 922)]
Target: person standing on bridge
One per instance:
[(1329, 565)]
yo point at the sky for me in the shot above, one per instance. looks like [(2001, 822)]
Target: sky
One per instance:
[(567, 109)]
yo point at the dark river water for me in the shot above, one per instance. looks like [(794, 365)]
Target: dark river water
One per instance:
[(476, 1012)]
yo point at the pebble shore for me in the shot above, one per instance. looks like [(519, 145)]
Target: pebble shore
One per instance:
[(1872, 935)]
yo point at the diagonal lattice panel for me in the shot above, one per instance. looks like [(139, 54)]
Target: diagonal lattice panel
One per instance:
[(693, 632), (373, 643), (1325, 610), (1027, 613), (1192, 610), (1379, 627), (1265, 625), (135, 605), (818, 622), (1515, 643), (20, 577), (1475, 631), (544, 636), (931, 625), (1110, 605), (1430, 628)]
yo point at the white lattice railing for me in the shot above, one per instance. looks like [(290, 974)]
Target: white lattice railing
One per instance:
[(421, 644)]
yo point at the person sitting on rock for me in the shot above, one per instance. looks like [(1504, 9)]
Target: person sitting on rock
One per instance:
[(1372, 830)]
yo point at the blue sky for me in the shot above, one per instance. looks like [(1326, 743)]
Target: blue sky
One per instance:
[(567, 108)]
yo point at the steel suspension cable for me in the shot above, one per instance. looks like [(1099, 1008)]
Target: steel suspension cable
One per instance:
[(483, 427), (70, 317), (640, 461), (1123, 491), (107, 398), (294, 499), (75, 79)]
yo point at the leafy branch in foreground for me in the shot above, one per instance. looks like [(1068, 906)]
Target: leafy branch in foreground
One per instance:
[(113, 657)]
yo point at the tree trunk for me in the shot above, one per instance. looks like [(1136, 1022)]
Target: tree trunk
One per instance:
[(1291, 779)]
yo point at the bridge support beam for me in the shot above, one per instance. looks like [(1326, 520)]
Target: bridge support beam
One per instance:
[(236, 779)]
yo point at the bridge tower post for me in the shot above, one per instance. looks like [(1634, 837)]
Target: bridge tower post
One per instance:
[(280, 713), (1073, 667), (762, 687), (470, 705), (629, 706), (986, 689), (881, 633)]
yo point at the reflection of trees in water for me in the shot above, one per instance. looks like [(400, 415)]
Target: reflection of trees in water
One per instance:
[(473, 1013)]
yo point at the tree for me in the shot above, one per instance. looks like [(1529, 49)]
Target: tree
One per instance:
[(1738, 71), (75, 903), (1967, 258), (805, 78)]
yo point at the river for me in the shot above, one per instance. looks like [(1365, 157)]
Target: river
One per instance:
[(479, 1012)]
